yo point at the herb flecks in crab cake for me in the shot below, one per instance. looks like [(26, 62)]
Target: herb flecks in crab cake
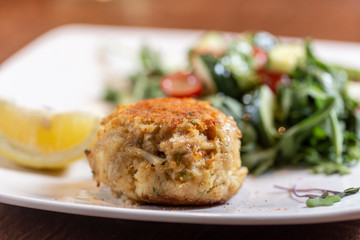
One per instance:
[(169, 151)]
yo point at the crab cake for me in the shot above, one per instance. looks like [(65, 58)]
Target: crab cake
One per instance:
[(169, 151)]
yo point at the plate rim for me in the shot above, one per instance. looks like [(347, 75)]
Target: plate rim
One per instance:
[(178, 216)]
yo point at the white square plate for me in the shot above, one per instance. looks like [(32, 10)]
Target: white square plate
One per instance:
[(63, 70)]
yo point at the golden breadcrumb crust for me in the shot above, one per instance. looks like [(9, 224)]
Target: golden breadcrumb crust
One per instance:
[(172, 111)]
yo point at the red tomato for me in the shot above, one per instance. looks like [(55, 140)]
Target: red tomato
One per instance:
[(272, 79), (181, 84), (260, 56)]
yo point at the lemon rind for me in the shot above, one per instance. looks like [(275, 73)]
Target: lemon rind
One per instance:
[(35, 158)]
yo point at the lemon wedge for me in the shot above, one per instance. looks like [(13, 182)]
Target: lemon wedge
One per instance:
[(40, 139)]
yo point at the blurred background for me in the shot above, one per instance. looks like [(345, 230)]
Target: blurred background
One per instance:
[(23, 20)]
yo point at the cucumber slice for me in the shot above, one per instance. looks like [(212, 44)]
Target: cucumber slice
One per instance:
[(284, 103), (284, 58), (202, 70), (266, 116), (215, 76)]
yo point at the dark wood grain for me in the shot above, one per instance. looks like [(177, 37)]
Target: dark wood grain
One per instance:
[(22, 223), (23, 20)]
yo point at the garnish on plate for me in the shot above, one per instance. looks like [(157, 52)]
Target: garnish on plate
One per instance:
[(326, 198)]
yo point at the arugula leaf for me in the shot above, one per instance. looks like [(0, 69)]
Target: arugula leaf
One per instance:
[(111, 95), (337, 136), (259, 161), (330, 168), (353, 74), (150, 60), (290, 141)]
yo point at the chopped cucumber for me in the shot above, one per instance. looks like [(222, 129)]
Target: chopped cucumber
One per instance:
[(240, 62), (264, 40), (211, 42), (241, 70), (284, 58), (353, 90)]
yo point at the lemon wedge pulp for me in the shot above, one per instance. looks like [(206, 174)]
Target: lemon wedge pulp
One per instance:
[(40, 139)]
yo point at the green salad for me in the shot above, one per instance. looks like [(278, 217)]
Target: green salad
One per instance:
[(292, 108)]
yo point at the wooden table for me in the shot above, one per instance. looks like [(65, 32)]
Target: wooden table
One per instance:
[(22, 21)]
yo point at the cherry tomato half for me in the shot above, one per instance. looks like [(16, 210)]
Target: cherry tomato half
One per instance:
[(181, 84)]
